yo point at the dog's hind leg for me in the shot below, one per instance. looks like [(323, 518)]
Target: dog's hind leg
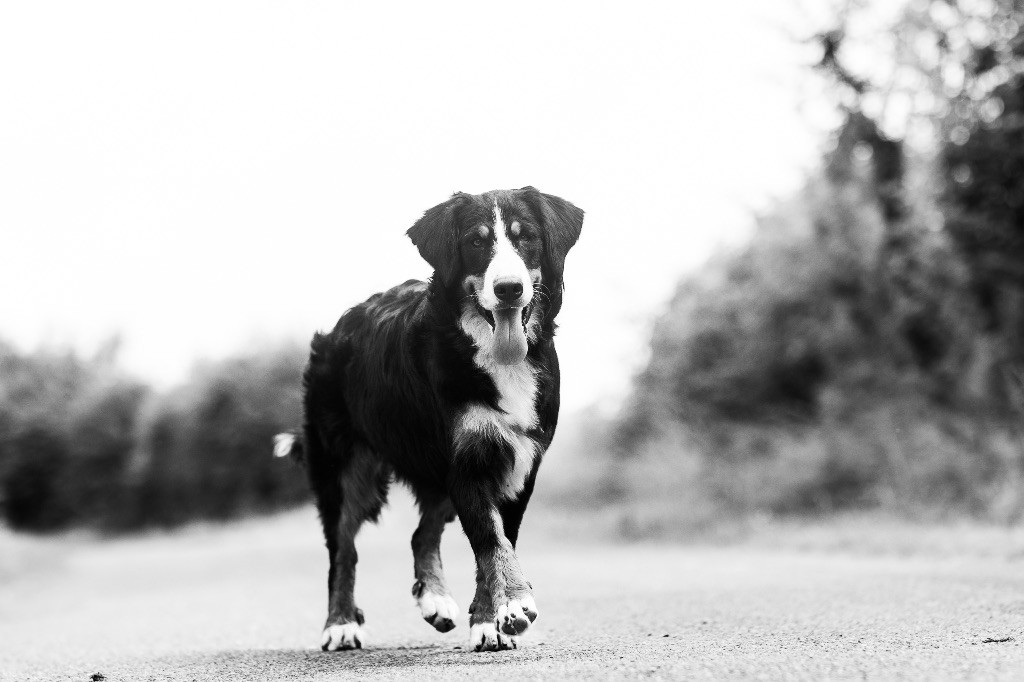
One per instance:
[(359, 490), (430, 590)]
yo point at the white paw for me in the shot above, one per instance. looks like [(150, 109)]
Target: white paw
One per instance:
[(440, 610), (485, 637), (344, 636), (516, 615), (283, 444)]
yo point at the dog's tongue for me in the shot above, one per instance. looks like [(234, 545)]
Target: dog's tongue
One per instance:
[(509, 336)]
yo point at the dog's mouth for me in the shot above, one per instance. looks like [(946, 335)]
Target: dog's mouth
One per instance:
[(527, 312), (509, 328)]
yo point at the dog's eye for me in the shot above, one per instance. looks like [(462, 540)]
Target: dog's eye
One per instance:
[(477, 243)]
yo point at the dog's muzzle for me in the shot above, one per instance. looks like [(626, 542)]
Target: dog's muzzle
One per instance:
[(509, 328)]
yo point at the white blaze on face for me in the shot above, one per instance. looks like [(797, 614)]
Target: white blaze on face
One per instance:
[(506, 263)]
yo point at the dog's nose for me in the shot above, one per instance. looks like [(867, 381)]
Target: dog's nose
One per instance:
[(508, 289)]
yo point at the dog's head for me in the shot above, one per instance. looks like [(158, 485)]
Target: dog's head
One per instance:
[(504, 253)]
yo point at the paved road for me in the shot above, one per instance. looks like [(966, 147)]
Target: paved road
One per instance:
[(246, 602)]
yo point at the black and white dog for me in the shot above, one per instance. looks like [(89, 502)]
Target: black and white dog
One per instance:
[(450, 386)]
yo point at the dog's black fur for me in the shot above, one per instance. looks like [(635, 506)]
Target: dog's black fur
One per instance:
[(384, 392)]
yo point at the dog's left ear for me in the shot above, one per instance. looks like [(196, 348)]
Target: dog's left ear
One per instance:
[(436, 237), (561, 222)]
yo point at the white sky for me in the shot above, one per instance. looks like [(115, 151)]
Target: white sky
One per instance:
[(201, 176)]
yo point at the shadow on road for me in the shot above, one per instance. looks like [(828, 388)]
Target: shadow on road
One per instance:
[(308, 664)]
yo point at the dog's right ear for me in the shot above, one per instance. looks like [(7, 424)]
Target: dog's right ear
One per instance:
[(437, 238)]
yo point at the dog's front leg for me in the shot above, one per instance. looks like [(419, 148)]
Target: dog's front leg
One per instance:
[(504, 605)]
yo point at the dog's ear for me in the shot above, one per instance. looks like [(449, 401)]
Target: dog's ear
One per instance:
[(561, 222), (436, 236)]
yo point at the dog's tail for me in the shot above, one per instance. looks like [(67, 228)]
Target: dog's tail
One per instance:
[(288, 444)]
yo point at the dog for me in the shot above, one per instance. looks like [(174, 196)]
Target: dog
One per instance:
[(450, 386)]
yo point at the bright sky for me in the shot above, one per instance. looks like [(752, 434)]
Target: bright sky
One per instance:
[(203, 176)]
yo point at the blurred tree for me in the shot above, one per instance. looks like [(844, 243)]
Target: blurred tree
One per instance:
[(67, 428), (207, 451), (958, 66), (83, 444), (34, 475), (885, 288)]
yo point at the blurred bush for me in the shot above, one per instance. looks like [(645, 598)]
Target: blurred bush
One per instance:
[(82, 443), (822, 296)]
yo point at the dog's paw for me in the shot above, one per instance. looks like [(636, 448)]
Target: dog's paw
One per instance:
[(515, 616), (440, 610), (485, 637), (342, 636)]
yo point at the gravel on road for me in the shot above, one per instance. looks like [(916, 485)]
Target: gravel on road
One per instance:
[(246, 601)]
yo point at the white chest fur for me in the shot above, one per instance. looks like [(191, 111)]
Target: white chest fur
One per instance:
[(517, 413)]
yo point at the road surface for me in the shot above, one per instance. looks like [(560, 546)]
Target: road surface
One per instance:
[(246, 601)]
